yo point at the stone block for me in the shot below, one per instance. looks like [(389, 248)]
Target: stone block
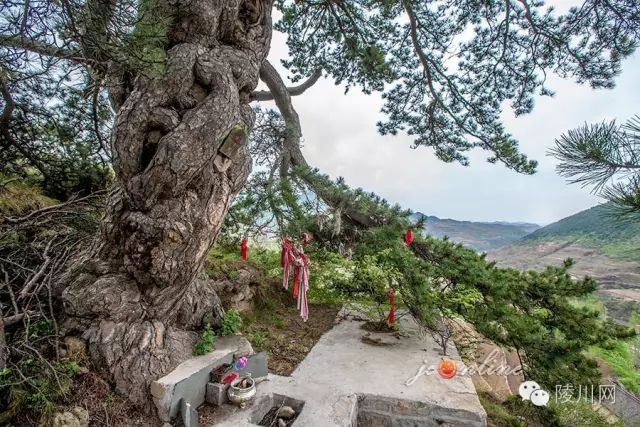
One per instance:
[(188, 381), (217, 393), (375, 403), (374, 419), (189, 414), (256, 366)]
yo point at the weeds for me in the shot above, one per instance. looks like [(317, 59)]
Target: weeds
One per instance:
[(231, 323), (205, 342)]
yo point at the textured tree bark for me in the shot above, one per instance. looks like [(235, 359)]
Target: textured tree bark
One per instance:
[(142, 289), (4, 354)]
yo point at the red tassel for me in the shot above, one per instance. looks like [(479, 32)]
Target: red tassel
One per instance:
[(392, 310), (296, 279), (244, 249), (408, 237)]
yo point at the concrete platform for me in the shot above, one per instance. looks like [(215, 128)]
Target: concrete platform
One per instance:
[(344, 381)]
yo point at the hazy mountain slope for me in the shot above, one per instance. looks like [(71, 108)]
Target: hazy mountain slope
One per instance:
[(480, 236), (601, 247), (592, 228)]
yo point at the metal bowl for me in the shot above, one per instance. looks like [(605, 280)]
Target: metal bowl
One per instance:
[(240, 396)]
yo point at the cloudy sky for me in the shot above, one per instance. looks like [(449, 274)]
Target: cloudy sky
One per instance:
[(340, 138)]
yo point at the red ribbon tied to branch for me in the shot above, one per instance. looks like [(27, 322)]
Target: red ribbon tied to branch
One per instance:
[(244, 249), (290, 258), (392, 310), (408, 237)]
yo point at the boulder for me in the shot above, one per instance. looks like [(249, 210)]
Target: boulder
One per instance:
[(76, 417)]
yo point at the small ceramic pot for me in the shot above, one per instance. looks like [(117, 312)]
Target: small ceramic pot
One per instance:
[(240, 396)]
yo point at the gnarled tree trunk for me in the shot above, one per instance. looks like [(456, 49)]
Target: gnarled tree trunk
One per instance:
[(142, 289)]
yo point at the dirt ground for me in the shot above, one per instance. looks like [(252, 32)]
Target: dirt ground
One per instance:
[(275, 326)]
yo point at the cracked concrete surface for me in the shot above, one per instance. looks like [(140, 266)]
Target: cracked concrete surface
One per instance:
[(347, 382)]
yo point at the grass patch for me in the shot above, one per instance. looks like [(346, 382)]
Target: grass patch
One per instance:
[(621, 358), (518, 413), (17, 197)]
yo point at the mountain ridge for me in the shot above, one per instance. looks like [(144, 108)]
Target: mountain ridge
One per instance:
[(478, 235)]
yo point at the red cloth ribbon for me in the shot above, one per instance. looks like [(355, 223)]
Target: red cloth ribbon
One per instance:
[(408, 237), (392, 310), (244, 249), (229, 378), (296, 278), (291, 258)]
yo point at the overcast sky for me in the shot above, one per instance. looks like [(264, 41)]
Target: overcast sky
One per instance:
[(341, 138)]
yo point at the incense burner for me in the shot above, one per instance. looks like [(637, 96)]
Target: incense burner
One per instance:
[(239, 395)]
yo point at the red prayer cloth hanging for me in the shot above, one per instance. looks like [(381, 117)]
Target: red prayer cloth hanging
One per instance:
[(392, 310), (408, 237), (291, 258), (244, 249)]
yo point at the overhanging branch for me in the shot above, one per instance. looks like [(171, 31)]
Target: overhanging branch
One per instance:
[(40, 48), (266, 95), (292, 154)]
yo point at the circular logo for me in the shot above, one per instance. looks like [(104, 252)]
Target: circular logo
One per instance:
[(447, 368)]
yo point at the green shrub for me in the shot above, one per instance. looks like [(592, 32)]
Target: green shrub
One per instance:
[(516, 412), (621, 358), (34, 386), (231, 323), (205, 342)]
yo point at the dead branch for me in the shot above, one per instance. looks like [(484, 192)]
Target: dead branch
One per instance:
[(57, 207), (36, 277)]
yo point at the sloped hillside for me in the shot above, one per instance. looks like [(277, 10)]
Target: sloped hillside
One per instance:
[(601, 247), (592, 228)]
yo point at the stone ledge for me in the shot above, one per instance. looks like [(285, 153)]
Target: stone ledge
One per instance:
[(188, 381)]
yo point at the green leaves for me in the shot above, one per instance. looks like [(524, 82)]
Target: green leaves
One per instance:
[(205, 343), (231, 322), (346, 39)]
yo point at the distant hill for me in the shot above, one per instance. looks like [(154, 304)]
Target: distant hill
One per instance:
[(592, 228), (602, 248), (481, 236)]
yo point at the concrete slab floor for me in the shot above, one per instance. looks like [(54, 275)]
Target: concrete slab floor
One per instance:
[(344, 381)]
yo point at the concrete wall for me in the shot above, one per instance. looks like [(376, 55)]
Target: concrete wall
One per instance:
[(385, 411), (626, 405)]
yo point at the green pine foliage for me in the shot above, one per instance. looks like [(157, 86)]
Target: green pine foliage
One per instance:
[(533, 312), (518, 413), (528, 311), (605, 156)]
